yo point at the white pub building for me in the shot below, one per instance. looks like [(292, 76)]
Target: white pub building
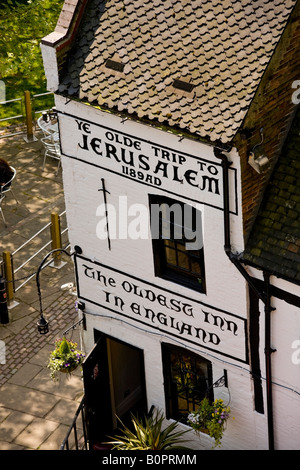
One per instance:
[(172, 117)]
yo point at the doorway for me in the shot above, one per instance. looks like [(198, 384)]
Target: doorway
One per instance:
[(114, 383)]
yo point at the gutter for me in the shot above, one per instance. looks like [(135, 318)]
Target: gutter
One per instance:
[(263, 296)]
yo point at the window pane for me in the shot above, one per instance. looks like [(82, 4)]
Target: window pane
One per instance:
[(195, 266), (170, 252), (166, 229), (183, 260), (178, 251), (190, 381)]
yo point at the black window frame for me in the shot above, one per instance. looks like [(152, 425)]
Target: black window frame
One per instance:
[(175, 393), (176, 273)]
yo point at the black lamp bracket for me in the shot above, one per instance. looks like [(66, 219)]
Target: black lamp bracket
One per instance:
[(42, 323), (73, 327), (222, 381)]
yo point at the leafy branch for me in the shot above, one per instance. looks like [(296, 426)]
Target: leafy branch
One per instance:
[(23, 23)]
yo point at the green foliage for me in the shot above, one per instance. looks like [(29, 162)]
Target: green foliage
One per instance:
[(22, 26), (203, 413), (64, 348), (148, 434), (211, 417), (64, 358)]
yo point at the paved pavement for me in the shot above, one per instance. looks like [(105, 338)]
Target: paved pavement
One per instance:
[(35, 411)]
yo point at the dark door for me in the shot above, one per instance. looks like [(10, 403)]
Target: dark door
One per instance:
[(127, 380), (97, 392), (114, 384)]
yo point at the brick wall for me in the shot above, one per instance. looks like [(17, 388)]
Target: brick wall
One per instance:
[(272, 109)]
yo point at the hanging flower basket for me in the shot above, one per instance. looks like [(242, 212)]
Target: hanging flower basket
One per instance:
[(64, 358), (210, 418), (68, 369)]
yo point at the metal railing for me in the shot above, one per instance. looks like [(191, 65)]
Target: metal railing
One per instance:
[(27, 112), (77, 438), (12, 274), (18, 116)]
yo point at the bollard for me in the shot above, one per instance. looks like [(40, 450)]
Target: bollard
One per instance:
[(56, 240), (3, 303), (28, 114)]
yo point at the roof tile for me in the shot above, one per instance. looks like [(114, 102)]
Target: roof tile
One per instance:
[(223, 47), (275, 239)]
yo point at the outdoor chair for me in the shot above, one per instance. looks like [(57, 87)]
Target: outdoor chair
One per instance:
[(5, 189), (48, 128), (41, 125), (51, 149)]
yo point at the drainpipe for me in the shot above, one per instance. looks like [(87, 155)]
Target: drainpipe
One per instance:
[(264, 296), (268, 351)]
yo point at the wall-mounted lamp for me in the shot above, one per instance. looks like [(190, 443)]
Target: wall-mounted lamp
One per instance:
[(42, 324), (257, 159)]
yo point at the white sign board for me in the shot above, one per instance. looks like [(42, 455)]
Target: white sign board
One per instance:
[(159, 310), (195, 177)]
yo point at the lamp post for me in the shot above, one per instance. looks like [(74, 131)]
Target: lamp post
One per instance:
[(42, 324)]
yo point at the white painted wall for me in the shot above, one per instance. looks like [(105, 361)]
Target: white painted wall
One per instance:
[(82, 182), (50, 60), (285, 363), (226, 288)]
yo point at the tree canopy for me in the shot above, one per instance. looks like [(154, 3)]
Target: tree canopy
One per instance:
[(23, 23)]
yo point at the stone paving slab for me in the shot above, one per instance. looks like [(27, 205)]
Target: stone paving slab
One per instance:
[(13, 425), (30, 182), (36, 433), (53, 442), (9, 446), (65, 387), (35, 412), (63, 412), (16, 397), (25, 375)]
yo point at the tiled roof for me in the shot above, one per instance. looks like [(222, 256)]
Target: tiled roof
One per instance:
[(221, 47), (274, 244)]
